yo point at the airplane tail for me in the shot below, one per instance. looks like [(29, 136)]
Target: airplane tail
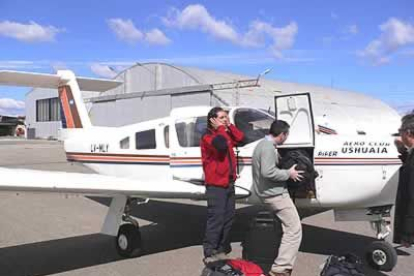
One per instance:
[(73, 109), (74, 113)]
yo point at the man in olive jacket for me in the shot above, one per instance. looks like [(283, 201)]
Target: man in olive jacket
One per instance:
[(404, 212)]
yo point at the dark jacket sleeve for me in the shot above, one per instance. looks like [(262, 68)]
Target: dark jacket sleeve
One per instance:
[(220, 143), (236, 135), (216, 140), (408, 228), (403, 156)]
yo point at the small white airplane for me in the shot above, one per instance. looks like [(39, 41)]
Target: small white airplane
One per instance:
[(358, 172)]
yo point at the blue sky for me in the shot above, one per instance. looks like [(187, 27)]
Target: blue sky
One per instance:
[(365, 46)]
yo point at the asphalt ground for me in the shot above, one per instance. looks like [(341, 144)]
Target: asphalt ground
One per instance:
[(50, 234)]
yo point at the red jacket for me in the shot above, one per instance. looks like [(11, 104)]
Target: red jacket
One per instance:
[(219, 161)]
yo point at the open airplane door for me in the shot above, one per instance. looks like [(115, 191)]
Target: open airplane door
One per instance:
[(187, 125), (296, 110)]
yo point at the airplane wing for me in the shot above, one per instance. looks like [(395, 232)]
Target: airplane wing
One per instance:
[(94, 184), (53, 81)]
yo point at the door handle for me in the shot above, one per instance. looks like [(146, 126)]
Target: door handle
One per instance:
[(320, 173)]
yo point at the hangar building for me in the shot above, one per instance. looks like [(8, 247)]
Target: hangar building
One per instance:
[(151, 90)]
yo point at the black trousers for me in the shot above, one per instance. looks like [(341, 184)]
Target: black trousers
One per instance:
[(220, 215)]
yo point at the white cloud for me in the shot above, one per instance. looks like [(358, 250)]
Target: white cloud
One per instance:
[(197, 17), (31, 32), (126, 31), (156, 37), (20, 64), (102, 70), (395, 34), (352, 29), (11, 107), (282, 38), (7, 103)]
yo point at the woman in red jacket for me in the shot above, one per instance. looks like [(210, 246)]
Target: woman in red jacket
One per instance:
[(219, 165)]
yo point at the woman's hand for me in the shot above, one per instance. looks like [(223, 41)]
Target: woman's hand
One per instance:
[(215, 123)]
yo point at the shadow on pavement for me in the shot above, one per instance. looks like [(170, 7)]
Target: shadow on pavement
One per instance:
[(174, 226)]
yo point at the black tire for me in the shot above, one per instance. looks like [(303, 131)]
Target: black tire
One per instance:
[(381, 255), (128, 241)]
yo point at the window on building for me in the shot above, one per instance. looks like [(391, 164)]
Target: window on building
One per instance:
[(48, 110), (190, 131), (124, 143), (167, 136), (145, 139), (54, 109)]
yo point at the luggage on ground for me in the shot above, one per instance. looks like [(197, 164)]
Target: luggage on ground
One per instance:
[(235, 267), (262, 240), (346, 265)]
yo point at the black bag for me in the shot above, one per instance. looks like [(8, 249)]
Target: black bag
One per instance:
[(262, 240), (304, 163), (346, 265), (220, 268)]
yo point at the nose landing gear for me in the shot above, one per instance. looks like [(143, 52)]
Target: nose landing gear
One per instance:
[(381, 255)]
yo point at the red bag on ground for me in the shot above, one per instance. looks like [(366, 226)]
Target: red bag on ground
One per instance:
[(246, 267)]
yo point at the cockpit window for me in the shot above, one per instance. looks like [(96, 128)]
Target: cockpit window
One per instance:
[(167, 136), (124, 143), (254, 124), (190, 131)]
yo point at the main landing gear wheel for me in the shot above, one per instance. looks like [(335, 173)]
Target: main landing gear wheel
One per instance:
[(128, 241), (381, 255)]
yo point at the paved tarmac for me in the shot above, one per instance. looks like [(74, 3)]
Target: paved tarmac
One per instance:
[(48, 234)]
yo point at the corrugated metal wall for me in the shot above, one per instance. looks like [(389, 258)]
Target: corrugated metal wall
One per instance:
[(128, 111), (42, 129), (153, 76), (134, 110)]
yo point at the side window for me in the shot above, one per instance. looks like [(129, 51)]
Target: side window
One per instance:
[(145, 139), (190, 131), (167, 136), (124, 143), (254, 124)]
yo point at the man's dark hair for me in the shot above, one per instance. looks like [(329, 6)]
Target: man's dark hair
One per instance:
[(278, 127), (213, 114), (407, 124)]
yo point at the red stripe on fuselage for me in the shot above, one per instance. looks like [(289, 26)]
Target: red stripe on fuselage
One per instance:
[(69, 107)]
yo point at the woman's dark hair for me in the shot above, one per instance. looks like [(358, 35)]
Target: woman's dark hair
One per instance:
[(213, 114)]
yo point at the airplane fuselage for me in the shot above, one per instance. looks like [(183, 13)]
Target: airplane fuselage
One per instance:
[(354, 171)]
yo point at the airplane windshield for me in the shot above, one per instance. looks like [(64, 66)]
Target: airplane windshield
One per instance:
[(253, 123)]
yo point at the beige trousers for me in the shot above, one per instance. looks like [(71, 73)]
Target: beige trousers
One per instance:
[(284, 208)]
